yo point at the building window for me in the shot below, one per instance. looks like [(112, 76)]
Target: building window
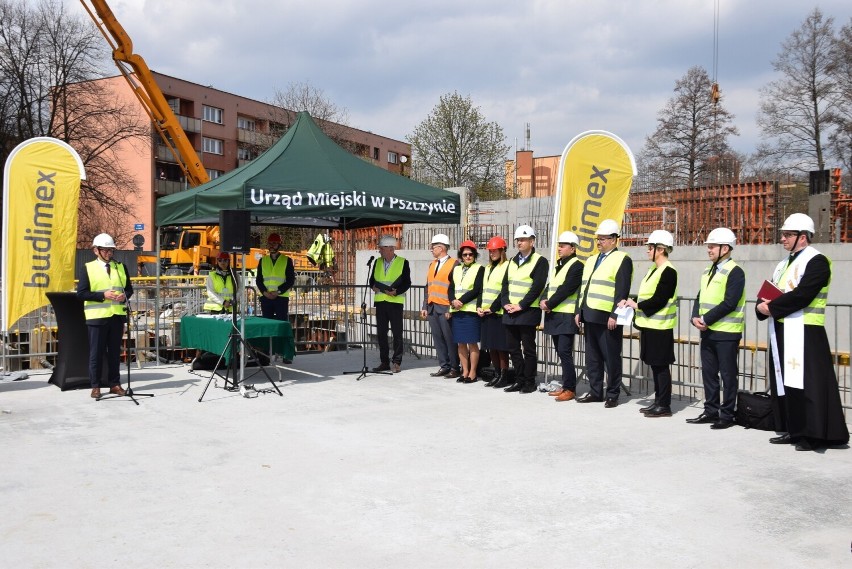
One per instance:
[(393, 158), (375, 153), (244, 154), (212, 114), (212, 145), (213, 174), (246, 124)]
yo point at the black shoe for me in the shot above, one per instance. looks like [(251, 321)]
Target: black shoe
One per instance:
[(461, 379), (705, 417), (659, 411), (513, 387), (588, 398), (492, 383), (805, 444), (504, 380), (784, 439), (441, 372), (527, 388), (470, 379), (722, 424), (611, 402), (648, 408), (383, 367)]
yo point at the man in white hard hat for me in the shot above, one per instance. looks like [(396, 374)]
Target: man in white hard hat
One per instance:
[(805, 395), (599, 296), (719, 313), (389, 279), (104, 288), (523, 284), (436, 307), (559, 307)]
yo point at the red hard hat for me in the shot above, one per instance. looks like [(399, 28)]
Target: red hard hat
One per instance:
[(223, 255), (470, 244), (496, 243), (273, 238)]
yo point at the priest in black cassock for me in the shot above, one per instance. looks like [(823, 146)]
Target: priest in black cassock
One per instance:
[(806, 399)]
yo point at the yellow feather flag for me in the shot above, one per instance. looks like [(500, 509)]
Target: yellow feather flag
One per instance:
[(594, 179), (41, 193)]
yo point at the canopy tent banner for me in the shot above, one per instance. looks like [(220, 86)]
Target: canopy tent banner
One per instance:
[(305, 179), (41, 192), (594, 179)]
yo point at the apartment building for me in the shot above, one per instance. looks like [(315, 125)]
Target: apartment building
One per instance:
[(227, 131)]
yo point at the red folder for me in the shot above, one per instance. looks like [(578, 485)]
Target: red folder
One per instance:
[(769, 291)]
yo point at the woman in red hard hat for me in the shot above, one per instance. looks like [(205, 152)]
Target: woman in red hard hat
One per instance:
[(493, 333), (465, 295)]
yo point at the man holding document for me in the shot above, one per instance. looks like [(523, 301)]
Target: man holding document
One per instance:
[(805, 396)]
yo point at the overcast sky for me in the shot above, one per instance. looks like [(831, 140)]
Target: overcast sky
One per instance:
[(563, 66)]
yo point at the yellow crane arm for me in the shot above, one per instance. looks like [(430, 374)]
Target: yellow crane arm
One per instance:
[(142, 83)]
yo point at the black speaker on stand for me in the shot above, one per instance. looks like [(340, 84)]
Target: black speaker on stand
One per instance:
[(235, 230)]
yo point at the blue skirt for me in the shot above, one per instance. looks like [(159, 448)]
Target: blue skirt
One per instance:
[(465, 327)]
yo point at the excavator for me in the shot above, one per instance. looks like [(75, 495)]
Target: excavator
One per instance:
[(184, 250)]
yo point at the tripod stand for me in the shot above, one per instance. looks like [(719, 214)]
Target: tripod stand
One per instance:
[(364, 369), (129, 391), (235, 340)]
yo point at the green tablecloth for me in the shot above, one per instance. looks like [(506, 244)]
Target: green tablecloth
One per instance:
[(211, 334)]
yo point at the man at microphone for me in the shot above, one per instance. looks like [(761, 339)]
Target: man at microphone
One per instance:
[(389, 279), (104, 288)]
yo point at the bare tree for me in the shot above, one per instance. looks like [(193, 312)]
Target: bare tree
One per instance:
[(840, 139), (691, 140), (456, 146), (298, 97), (49, 60), (795, 108)]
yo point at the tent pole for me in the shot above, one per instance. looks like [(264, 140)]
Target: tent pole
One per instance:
[(157, 291), (346, 285)]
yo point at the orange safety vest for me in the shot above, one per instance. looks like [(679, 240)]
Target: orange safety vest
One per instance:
[(438, 285)]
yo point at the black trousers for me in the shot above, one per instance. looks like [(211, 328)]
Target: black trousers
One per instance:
[(662, 385), (564, 344), (719, 358), (603, 352), (389, 313), (523, 352), (105, 339)]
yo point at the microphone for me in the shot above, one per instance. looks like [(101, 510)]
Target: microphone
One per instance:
[(372, 258)]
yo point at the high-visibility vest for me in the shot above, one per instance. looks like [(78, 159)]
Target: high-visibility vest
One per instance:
[(387, 279), (464, 281), (814, 313), (493, 284), (438, 285), (711, 293), (557, 279), (601, 288), (275, 274), (520, 278), (224, 287), (100, 281), (665, 318)]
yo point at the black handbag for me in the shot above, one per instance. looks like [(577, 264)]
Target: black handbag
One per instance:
[(754, 411)]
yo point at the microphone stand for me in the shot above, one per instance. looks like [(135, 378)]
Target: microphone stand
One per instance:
[(129, 391), (364, 369)]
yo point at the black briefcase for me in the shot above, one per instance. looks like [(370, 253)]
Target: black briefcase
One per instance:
[(754, 411)]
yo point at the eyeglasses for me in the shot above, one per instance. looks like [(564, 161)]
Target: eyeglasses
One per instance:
[(104, 250), (468, 254), (788, 234), (604, 238)]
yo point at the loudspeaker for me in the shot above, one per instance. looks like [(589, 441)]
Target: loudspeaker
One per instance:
[(234, 230)]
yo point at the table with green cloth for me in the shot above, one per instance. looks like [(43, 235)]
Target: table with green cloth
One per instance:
[(211, 335)]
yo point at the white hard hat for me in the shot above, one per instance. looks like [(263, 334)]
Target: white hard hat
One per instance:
[(661, 237), (798, 222), (721, 236), (608, 227), (568, 237), (387, 241), (103, 240), (524, 231), (441, 238)]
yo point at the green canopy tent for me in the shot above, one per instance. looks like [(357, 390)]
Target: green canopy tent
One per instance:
[(306, 179)]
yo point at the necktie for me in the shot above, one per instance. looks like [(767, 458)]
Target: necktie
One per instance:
[(712, 272), (107, 269), (599, 260), (437, 266)]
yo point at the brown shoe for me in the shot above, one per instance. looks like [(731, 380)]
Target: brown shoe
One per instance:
[(566, 395), (96, 393), (396, 368), (117, 390), (453, 373), (556, 393)]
